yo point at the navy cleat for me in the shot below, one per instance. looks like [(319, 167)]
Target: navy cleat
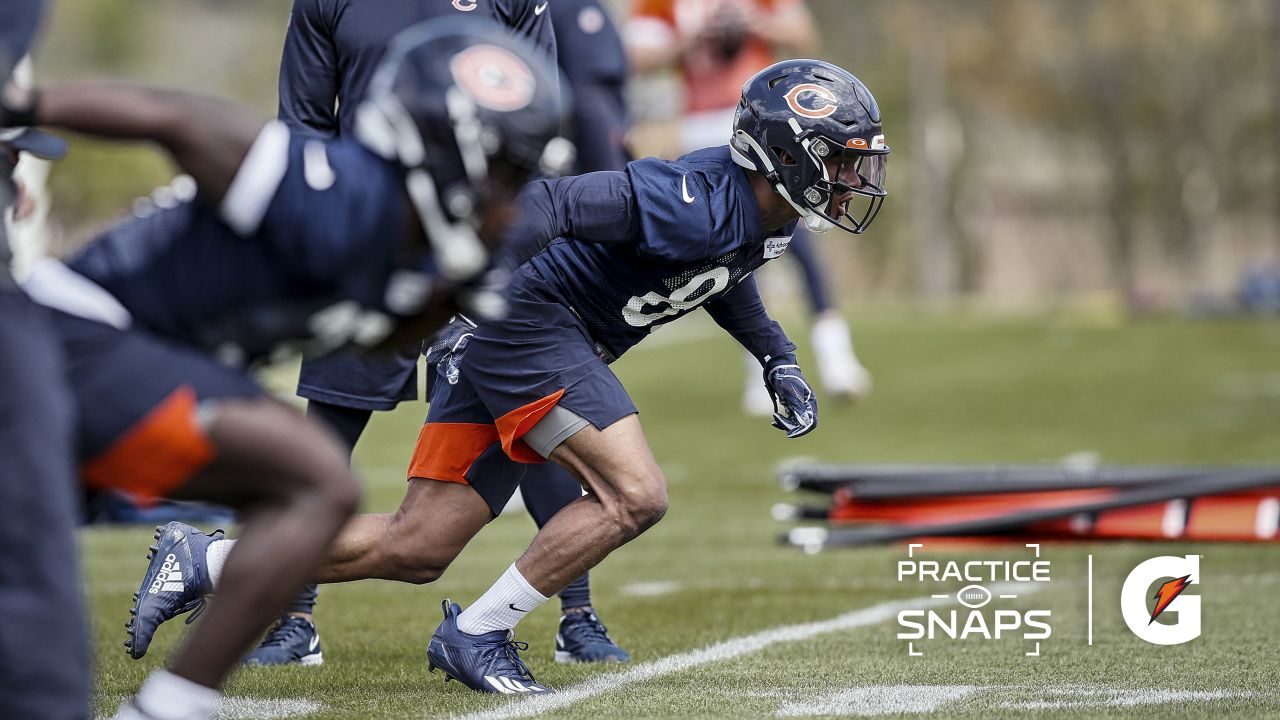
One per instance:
[(583, 638), (292, 641), (485, 663), (176, 581)]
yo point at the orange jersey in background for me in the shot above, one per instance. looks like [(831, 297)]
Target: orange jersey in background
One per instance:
[(716, 67)]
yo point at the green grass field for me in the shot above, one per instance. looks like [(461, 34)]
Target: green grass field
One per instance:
[(951, 389)]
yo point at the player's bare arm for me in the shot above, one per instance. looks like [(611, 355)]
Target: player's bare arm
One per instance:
[(208, 138)]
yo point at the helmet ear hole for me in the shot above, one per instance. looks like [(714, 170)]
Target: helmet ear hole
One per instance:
[(784, 158)]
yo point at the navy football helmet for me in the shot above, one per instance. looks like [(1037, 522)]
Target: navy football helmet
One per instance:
[(813, 130), (453, 101)]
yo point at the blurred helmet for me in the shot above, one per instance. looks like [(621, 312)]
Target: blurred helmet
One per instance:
[(453, 100), (813, 130)]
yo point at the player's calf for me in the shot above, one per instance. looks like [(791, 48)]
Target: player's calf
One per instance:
[(291, 477)]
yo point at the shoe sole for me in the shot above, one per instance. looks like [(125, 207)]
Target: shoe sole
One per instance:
[(140, 595)]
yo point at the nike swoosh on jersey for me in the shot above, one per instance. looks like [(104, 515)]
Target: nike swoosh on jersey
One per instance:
[(684, 190), (539, 10)]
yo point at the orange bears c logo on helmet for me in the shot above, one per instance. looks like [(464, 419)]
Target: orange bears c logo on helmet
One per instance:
[(811, 101), (494, 77)]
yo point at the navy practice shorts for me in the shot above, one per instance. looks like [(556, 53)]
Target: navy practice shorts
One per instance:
[(137, 397), (513, 373), (362, 381)]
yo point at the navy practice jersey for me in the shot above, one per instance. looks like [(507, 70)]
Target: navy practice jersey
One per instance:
[(308, 225), (631, 251), (334, 46)]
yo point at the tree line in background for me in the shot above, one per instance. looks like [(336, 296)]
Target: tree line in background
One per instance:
[(1142, 131), (1042, 148)]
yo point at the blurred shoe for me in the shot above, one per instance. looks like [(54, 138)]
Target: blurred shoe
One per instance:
[(489, 662), (292, 641), (841, 374), (176, 581), (583, 638), (756, 401)]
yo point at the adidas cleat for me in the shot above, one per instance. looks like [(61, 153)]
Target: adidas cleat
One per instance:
[(292, 641), (583, 638), (485, 663), (176, 582)]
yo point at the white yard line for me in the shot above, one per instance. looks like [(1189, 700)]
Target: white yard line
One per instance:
[(726, 650), (650, 589), (244, 708), (879, 700)]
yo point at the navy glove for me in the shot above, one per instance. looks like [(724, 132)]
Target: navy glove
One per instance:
[(795, 406), (448, 346)]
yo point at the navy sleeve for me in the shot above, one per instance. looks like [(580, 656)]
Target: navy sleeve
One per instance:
[(529, 19), (309, 71), (597, 207), (18, 22), (741, 312)]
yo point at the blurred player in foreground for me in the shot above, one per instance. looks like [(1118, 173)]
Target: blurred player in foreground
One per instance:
[(44, 665), (716, 45), (329, 56), (289, 238), (600, 261)]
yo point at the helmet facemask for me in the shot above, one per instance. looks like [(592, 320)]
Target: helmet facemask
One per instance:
[(837, 172)]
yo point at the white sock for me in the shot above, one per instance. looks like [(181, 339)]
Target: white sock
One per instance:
[(214, 556), (166, 696), (503, 605)]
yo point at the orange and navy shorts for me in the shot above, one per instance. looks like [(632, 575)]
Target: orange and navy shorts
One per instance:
[(514, 372), (136, 399)]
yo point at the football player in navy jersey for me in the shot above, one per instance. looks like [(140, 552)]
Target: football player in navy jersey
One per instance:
[(329, 55), (288, 238), (599, 262), (611, 257)]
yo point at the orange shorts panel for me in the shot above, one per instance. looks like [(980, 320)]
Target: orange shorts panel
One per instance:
[(513, 426), (446, 451), (158, 454)]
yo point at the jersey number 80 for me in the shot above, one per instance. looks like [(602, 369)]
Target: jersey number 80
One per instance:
[(689, 296)]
